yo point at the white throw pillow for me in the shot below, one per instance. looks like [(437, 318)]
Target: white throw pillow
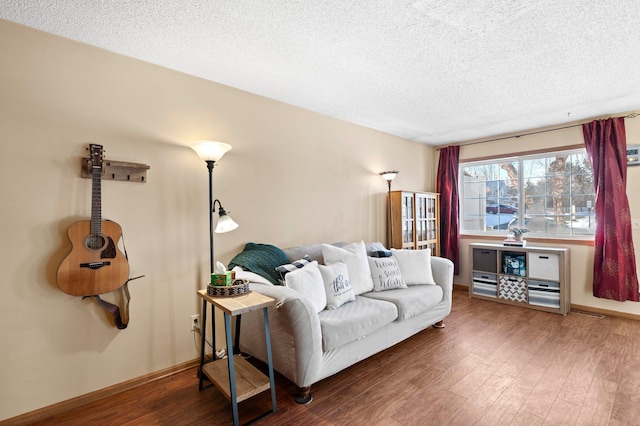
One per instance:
[(355, 256), (308, 281), (385, 273), (336, 284), (415, 266)]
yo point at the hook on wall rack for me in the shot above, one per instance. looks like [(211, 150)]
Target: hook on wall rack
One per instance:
[(118, 170)]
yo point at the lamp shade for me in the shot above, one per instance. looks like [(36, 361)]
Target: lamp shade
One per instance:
[(389, 176), (225, 224), (210, 150)]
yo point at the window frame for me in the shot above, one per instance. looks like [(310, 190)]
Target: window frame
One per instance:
[(519, 158)]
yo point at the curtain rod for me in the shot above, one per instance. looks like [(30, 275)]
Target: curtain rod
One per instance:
[(632, 115)]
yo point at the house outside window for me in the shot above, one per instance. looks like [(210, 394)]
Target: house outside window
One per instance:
[(550, 194)]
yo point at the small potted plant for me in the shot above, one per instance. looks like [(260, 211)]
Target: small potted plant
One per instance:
[(518, 233)]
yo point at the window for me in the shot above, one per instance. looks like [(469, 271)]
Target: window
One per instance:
[(552, 194)]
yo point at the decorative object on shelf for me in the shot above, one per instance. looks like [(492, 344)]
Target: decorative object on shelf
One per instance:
[(514, 263), (510, 242), (518, 233), (238, 288), (389, 176), (210, 152)]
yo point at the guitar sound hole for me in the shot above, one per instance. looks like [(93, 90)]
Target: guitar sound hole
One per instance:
[(95, 242)]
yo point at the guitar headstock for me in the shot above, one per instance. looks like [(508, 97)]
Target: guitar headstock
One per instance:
[(95, 157)]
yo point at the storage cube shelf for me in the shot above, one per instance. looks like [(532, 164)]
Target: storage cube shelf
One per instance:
[(535, 277)]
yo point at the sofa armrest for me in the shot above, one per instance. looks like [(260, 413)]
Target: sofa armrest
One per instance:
[(295, 334), (442, 269)]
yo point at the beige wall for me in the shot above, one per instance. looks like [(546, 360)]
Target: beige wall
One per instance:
[(293, 177), (581, 255)]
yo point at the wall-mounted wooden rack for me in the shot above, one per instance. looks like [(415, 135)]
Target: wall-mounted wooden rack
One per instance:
[(118, 170)]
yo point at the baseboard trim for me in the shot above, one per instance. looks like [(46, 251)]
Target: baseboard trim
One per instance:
[(618, 314), (70, 404)]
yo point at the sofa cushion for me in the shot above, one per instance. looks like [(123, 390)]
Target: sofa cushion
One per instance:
[(336, 285), (355, 256), (354, 320), (313, 251), (308, 282), (380, 253), (415, 266), (386, 274), (410, 301), (283, 270), (372, 248)]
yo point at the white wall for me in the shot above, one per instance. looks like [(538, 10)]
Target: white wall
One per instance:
[(293, 177)]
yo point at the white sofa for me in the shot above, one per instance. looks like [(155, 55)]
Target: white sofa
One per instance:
[(308, 346)]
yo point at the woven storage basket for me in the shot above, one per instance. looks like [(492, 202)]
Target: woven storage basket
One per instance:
[(230, 290)]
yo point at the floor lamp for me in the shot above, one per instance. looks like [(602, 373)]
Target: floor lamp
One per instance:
[(210, 152), (389, 176)]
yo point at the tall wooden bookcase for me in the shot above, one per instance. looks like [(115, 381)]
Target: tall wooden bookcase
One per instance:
[(415, 221)]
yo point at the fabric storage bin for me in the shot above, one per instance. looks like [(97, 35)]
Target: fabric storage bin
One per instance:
[(513, 288), (544, 293), (486, 278), (514, 263), (485, 284), (485, 260), (544, 266)]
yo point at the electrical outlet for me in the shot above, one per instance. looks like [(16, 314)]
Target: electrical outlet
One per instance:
[(195, 322)]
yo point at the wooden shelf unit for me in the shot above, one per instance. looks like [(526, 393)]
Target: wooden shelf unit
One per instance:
[(249, 380), (534, 277), (415, 221)]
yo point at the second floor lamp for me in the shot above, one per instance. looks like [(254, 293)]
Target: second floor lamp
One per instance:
[(389, 176)]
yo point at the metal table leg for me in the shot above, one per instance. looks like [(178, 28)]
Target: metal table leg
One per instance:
[(267, 332), (232, 374)]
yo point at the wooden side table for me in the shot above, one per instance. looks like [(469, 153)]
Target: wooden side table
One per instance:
[(250, 380)]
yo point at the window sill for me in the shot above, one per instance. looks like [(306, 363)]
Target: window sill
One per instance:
[(577, 241)]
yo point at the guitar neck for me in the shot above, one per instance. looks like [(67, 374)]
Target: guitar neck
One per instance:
[(96, 199)]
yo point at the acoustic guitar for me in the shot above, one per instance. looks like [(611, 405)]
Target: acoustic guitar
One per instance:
[(95, 264)]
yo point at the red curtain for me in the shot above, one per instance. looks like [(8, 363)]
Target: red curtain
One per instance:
[(447, 186), (614, 269)]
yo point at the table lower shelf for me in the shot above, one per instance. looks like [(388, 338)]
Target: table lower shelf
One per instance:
[(249, 380)]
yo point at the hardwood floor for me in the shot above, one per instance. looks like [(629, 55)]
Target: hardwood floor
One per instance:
[(493, 364)]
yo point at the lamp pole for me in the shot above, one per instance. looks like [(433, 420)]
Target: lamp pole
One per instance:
[(389, 176), (210, 166), (390, 234)]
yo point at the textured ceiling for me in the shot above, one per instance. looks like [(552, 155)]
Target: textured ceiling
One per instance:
[(433, 71)]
